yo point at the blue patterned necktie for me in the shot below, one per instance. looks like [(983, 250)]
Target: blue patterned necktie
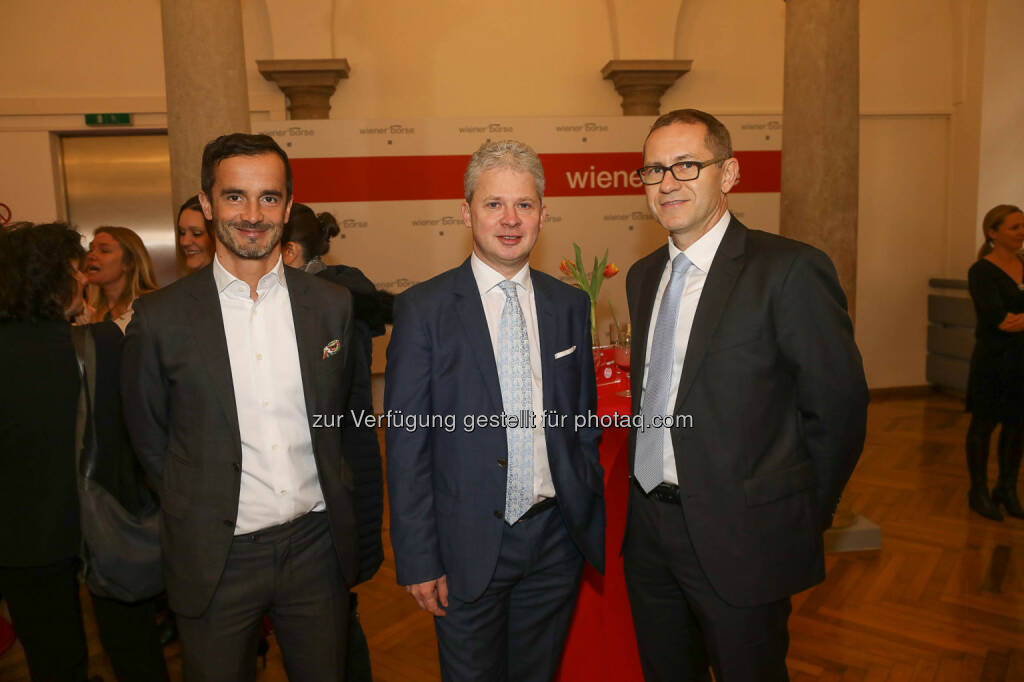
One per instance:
[(516, 379), (650, 442)]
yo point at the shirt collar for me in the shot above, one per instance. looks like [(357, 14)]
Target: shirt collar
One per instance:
[(702, 252), (225, 279), (488, 278)]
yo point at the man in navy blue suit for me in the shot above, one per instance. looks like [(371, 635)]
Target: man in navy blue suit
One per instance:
[(496, 492)]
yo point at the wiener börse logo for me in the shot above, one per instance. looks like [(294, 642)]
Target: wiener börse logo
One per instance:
[(589, 127), (490, 129), (393, 129), (437, 222)]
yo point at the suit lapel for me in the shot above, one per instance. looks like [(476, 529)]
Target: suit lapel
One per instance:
[(208, 328), (725, 269), (474, 327), (642, 322), (544, 300), (306, 340)]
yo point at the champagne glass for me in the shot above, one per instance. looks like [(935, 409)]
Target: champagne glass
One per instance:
[(622, 350)]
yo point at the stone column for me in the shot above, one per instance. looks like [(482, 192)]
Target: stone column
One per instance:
[(642, 82), (820, 131), (820, 163), (207, 92), (308, 84)]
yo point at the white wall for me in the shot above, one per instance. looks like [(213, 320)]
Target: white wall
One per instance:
[(940, 100)]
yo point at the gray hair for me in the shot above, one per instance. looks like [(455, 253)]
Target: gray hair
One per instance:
[(512, 154)]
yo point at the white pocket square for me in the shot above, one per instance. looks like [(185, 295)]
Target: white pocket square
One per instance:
[(563, 353)]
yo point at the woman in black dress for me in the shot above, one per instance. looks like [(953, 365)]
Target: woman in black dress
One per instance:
[(995, 390)]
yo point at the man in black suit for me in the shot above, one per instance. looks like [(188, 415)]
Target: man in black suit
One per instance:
[(491, 520), (227, 373), (744, 347)]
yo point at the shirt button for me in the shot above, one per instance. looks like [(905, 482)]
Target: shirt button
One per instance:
[(273, 447), (266, 403), (259, 356), (284, 492)]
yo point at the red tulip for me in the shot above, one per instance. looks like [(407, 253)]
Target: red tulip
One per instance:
[(566, 267), (610, 270)]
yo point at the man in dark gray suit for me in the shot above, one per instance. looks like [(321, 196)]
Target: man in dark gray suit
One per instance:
[(226, 374), (742, 340)]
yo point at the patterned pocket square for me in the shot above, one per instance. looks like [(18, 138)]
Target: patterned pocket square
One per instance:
[(563, 353), (331, 348)]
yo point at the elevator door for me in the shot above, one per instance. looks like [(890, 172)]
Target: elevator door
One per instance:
[(123, 180)]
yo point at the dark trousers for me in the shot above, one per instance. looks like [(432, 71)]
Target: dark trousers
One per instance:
[(682, 625), (516, 630), (290, 572), (47, 615)]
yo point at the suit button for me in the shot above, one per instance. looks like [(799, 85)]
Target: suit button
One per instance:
[(502, 462), (498, 514), (229, 522), (234, 465)]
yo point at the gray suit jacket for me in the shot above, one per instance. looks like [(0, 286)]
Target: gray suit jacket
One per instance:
[(774, 384), (179, 405)]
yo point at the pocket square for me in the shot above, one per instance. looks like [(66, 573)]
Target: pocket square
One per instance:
[(331, 348), (563, 353)]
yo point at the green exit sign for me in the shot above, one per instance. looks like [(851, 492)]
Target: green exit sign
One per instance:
[(108, 119)]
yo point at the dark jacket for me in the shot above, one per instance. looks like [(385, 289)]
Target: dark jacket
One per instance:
[(372, 310), (180, 409), (774, 385), (39, 384)]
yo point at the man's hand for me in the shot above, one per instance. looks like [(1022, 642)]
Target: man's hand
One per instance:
[(431, 595), (1013, 322)]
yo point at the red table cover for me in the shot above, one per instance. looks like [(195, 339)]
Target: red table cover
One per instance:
[(601, 644)]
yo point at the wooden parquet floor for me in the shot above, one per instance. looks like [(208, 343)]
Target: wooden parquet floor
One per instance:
[(943, 601)]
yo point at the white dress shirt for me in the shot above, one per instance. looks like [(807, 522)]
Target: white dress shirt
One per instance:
[(493, 299), (701, 253), (279, 477)]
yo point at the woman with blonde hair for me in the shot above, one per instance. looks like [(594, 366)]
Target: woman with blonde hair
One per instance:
[(119, 270), (995, 388)]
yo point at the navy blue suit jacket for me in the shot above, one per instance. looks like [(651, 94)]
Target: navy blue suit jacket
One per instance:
[(447, 486)]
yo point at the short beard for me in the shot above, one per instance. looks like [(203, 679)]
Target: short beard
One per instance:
[(227, 235)]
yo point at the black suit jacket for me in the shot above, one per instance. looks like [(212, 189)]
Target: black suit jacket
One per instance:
[(447, 487), (38, 406), (180, 409), (775, 387)]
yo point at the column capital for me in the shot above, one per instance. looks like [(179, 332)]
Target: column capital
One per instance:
[(642, 82), (308, 84)]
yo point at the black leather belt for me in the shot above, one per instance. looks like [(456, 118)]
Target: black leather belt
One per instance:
[(666, 492), (538, 508)]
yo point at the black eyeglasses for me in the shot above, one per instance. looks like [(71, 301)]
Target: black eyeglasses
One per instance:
[(681, 171)]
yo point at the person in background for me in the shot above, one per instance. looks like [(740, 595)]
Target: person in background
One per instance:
[(41, 539), (195, 238), (119, 270), (305, 239), (995, 387)]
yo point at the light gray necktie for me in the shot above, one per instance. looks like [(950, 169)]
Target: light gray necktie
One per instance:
[(650, 442), (516, 379)]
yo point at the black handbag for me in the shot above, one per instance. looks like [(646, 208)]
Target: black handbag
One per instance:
[(121, 554)]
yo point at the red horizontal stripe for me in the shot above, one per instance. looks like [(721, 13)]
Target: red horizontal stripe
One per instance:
[(414, 178)]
